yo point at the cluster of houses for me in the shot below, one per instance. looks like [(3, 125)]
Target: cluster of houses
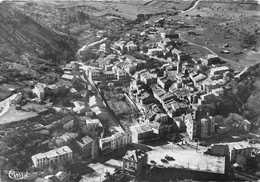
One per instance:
[(169, 84), (169, 88)]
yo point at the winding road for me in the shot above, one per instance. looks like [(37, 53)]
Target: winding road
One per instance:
[(204, 47), (192, 7), (212, 52)]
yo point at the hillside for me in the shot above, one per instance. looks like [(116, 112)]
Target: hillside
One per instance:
[(25, 42)]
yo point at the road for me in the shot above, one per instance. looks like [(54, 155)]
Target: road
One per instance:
[(191, 8), (245, 69), (212, 52)]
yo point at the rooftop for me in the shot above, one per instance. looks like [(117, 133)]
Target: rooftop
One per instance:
[(221, 68), (135, 155), (237, 145), (148, 75), (142, 128), (85, 140), (53, 153), (67, 76)]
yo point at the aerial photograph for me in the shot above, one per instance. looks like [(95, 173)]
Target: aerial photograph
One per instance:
[(129, 90)]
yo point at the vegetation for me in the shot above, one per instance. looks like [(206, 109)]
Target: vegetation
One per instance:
[(244, 97)]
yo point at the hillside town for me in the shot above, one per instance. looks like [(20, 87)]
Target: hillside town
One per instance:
[(138, 108)]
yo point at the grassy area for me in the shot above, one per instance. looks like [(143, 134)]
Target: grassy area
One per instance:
[(226, 23), (13, 115)]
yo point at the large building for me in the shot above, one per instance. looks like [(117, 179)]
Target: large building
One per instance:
[(141, 133), (114, 142), (191, 126), (134, 163), (207, 127), (237, 152), (85, 147), (52, 157)]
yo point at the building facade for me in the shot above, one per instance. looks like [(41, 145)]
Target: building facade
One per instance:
[(115, 142), (134, 163), (52, 157)]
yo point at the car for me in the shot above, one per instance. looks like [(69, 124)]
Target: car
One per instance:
[(160, 166), (153, 162), (164, 160), (169, 158)]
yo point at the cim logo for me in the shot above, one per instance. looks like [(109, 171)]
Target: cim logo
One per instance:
[(15, 175)]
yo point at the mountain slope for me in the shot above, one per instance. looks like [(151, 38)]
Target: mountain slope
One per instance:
[(20, 35)]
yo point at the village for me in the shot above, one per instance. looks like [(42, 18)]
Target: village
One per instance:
[(165, 86), (141, 107)]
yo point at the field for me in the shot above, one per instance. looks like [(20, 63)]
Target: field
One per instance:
[(219, 24), (176, 5), (13, 115), (124, 8), (121, 107)]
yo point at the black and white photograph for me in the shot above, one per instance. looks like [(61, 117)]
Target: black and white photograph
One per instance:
[(129, 90)]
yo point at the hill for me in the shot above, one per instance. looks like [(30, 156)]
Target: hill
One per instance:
[(28, 44)]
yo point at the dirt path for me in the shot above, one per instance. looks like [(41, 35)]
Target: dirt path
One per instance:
[(212, 52), (192, 7)]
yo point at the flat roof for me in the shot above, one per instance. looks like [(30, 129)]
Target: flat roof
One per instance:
[(237, 145), (220, 68), (52, 154), (68, 77)]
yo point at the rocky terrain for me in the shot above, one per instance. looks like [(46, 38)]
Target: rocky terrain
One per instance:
[(27, 48)]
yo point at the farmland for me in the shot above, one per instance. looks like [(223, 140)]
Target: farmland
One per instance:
[(233, 25)]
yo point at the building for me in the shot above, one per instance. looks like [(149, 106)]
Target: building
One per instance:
[(247, 125), (120, 73), (92, 124), (61, 176), (179, 55), (130, 46), (148, 78), (164, 82), (100, 112), (94, 73), (219, 150), (141, 133), (68, 77), (207, 127), (85, 147), (68, 137), (155, 52), (205, 98), (79, 107), (236, 152), (219, 70), (17, 99), (197, 78), (134, 163), (52, 157), (239, 152), (210, 59), (169, 33), (191, 126), (115, 142), (39, 91)]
